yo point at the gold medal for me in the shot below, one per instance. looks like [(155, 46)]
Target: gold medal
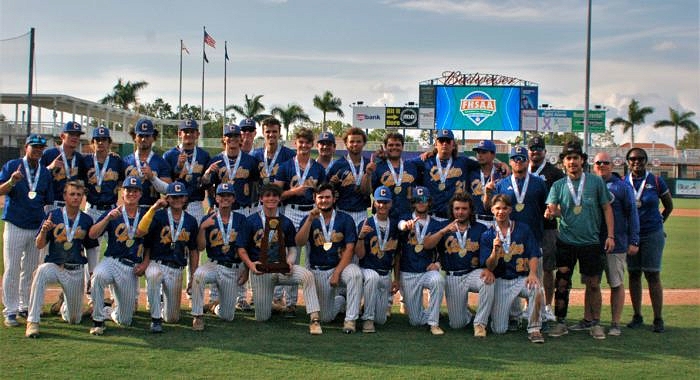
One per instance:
[(68, 245), (639, 204), (273, 223), (418, 248), (32, 195), (327, 246), (578, 209), (397, 190), (519, 207), (188, 178), (173, 246), (441, 186), (462, 252), (266, 181), (225, 248), (130, 243), (98, 188)]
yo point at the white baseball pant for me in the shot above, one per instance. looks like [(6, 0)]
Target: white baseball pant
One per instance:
[(352, 278), (412, 285), (71, 282), (457, 290), (162, 279), (125, 286), (506, 291), (226, 280), (376, 292), (263, 286), (20, 259)]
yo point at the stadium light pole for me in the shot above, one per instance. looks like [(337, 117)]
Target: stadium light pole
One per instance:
[(586, 128)]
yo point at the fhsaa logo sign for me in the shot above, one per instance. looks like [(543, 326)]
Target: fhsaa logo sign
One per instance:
[(478, 106)]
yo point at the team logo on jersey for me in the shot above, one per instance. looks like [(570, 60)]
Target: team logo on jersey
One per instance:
[(478, 106)]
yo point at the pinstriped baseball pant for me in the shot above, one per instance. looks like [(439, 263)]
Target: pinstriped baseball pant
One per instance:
[(264, 284), (20, 259), (376, 291), (412, 285), (292, 291), (352, 278), (506, 292), (125, 285), (72, 283), (226, 280), (169, 280), (457, 290)]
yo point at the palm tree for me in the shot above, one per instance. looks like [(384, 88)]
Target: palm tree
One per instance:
[(290, 115), (251, 109), (328, 103), (124, 94), (635, 116), (678, 120)]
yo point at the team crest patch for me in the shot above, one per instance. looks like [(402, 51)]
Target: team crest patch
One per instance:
[(478, 106)]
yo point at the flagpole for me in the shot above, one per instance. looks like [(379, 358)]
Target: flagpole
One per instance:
[(201, 126), (225, 59), (179, 101)]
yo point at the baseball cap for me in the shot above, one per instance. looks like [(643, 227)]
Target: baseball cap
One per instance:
[(35, 140), (383, 194), (572, 147), (445, 134), (144, 127), (420, 193), (326, 137), (486, 145), (176, 189), (187, 124), (247, 125), (225, 188), (518, 151), (231, 129), (536, 142), (101, 132), (132, 182), (73, 127)]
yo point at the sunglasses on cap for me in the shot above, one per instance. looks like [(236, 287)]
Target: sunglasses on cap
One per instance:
[(601, 163)]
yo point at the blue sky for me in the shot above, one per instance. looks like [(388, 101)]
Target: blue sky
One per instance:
[(375, 51)]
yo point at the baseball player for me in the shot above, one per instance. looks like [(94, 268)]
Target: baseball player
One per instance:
[(377, 242), (65, 232), (458, 247), (122, 264), (325, 144), (331, 236), (65, 162), (27, 187), (273, 154), (218, 232), (170, 238), (254, 242), (152, 169), (478, 179), (510, 253), (419, 266), (352, 176), (581, 200), (248, 130), (397, 174)]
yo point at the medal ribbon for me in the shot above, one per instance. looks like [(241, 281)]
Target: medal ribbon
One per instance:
[(638, 192), (130, 228), (232, 172), (100, 173), (70, 231), (300, 176), (421, 232), (483, 179), (462, 237), (268, 168), (399, 178), (189, 164), (33, 182), (443, 171), (505, 239), (225, 232), (539, 169), (137, 160), (327, 229), (175, 234), (577, 197), (68, 168), (520, 197), (382, 240), (272, 232), (357, 175)]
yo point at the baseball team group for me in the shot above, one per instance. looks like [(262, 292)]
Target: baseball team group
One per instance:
[(439, 225)]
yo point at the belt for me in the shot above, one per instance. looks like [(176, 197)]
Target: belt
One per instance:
[(322, 267), (301, 207), (382, 271), (127, 262), (170, 264), (72, 266), (458, 272), (102, 207), (227, 264), (486, 218)]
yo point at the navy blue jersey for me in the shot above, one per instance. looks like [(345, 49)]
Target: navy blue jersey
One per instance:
[(288, 176), (515, 263), (650, 218), (376, 258), (19, 209), (250, 237), (244, 180), (215, 238), (453, 257), (113, 177), (72, 253), (410, 178), (195, 189), (625, 215), (349, 196), (77, 171), (160, 169), (476, 188), (284, 155), (159, 238), (456, 181), (342, 232), (118, 242), (534, 203), (412, 261)]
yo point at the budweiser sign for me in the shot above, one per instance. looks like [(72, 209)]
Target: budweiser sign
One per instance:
[(476, 79)]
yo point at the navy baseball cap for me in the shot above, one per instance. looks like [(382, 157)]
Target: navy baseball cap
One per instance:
[(518, 151), (35, 140), (326, 137), (536, 142), (231, 129), (420, 193), (132, 182), (187, 124), (101, 132), (383, 194), (176, 189), (225, 188), (144, 127), (486, 145), (445, 134), (247, 125), (73, 127)]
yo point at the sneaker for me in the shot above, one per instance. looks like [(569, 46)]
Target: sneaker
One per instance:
[(243, 305), (513, 325), (597, 332), (368, 326), (637, 321), (658, 325), (549, 314), (614, 330), (536, 337), (157, 326), (11, 320), (581, 325), (558, 330), (209, 307), (98, 328), (32, 330), (315, 327), (198, 323), (56, 306), (23, 314), (291, 312), (436, 330), (107, 312), (349, 327), (479, 330)]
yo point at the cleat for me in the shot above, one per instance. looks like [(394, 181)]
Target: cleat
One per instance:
[(436, 330), (368, 326), (157, 326), (243, 305), (97, 330), (315, 327), (198, 323), (479, 331), (349, 327), (32, 330), (11, 320)]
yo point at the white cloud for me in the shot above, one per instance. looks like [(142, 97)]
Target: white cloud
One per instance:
[(508, 10), (664, 46)]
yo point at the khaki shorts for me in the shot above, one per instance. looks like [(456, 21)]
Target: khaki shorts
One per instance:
[(615, 268)]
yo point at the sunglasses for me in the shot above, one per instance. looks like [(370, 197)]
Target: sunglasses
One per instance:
[(636, 159), (601, 163), (534, 149), (247, 129), (518, 159), (421, 199)]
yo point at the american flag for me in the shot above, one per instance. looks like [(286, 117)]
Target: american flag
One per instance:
[(208, 40)]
